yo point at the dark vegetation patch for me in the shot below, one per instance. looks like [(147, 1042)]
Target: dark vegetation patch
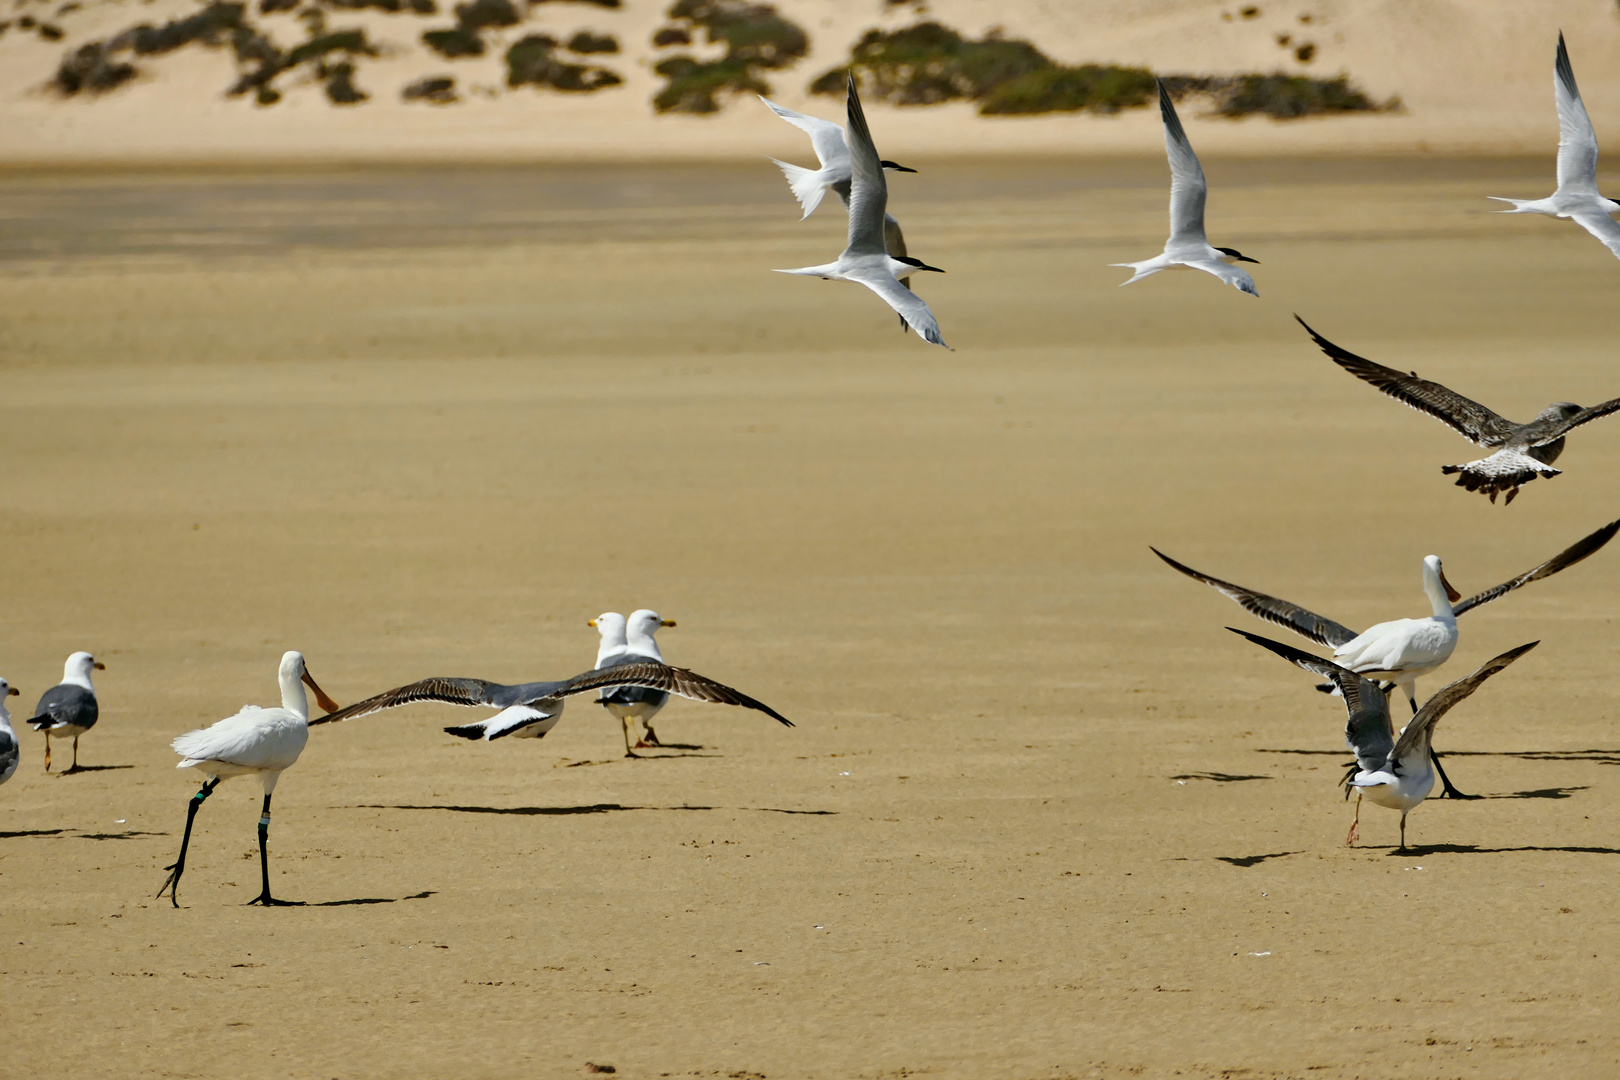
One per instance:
[(927, 64), (466, 37), (586, 43), (756, 38), (100, 66), (533, 62), (433, 89)]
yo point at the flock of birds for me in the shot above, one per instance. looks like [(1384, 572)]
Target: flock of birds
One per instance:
[(631, 680)]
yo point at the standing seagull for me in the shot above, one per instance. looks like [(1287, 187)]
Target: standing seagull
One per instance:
[(529, 710), (10, 752), (1390, 770), (1522, 451), (69, 708), (632, 703), (1400, 651), (866, 259), (261, 742), (1577, 196), (1187, 245)]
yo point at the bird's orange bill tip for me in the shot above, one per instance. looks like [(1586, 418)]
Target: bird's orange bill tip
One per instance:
[(1451, 594), (100, 666), (666, 622), (326, 703), (590, 622)]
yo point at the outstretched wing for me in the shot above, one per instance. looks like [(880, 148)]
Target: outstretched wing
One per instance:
[(868, 190), (1469, 418), (825, 136), (908, 304), (1585, 416), (673, 680), (448, 690), (1571, 555), (1307, 624), (1422, 725), (1577, 142), (1601, 226), (1187, 186), (1366, 728)]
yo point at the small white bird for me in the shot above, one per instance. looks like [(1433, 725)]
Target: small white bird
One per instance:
[(1577, 196), (1391, 770), (1187, 246), (632, 703), (10, 752), (867, 259), (254, 742), (69, 708)]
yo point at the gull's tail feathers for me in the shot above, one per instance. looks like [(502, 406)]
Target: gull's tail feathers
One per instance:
[(807, 185), (1504, 471)]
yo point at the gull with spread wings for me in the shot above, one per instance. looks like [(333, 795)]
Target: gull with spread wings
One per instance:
[(1522, 452), (1398, 652), (1390, 769), (1577, 196), (530, 710), (867, 259), (1188, 246)]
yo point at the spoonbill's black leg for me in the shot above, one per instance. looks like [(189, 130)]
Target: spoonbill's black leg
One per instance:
[(264, 896), (179, 865), (1450, 791)]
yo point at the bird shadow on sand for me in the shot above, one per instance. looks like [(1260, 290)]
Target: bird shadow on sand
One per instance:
[(77, 769), (637, 757), (1253, 860), (1473, 849), (127, 834), (1539, 793), (1218, 777), (31, 832), (593, 808), (423, 895)]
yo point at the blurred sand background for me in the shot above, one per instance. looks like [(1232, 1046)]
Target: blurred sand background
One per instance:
[(1475, 77), (1041, 815)]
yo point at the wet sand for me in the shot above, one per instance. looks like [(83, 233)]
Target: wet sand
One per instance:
[(1041, 815)]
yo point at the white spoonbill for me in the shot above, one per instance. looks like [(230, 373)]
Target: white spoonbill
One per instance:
[(1577, 196), (1188, 246), (1391, 770), (254, 742)]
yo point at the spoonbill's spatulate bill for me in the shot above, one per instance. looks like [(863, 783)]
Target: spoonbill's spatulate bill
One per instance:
[(1188, 246), (632, 703), (69, 708), (1389, 770), (10, 752), (1521, 452), (1577, 196), (532, 709), (1400, 651), (254, 742), (866, 259)]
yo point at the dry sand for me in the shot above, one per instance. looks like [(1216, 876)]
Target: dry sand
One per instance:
[(1474, 77), (1041, 815)]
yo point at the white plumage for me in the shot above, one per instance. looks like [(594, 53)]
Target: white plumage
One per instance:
[(1402, 650), (10, 752)]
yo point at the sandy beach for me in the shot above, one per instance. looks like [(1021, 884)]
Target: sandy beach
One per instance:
[(1041, 815)]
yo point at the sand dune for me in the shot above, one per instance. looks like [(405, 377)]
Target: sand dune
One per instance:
[(1474, 77)]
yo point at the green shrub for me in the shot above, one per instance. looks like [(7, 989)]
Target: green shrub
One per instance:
[(756, 38), (1066, 89), (454, 42), (533, 61)]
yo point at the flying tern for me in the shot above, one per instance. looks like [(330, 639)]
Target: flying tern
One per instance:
[(1577, 196), (867, 259), (1391, 769), (1522, 452), (1187, 246)]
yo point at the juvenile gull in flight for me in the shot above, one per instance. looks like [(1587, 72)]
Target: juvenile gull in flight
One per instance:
[(69, 708), (1188, 246), (1391, 770), (254, 742), (1522, 452), (1400, 651), (1577, 196)]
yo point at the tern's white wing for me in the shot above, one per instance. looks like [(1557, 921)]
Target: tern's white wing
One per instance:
[(826, 137), (903, 300), (1599, 225), (868, 191), (1187, 187), (1577, 142), (1235, 276)]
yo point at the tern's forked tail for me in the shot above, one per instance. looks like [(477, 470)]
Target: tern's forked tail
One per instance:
[(806, 184)]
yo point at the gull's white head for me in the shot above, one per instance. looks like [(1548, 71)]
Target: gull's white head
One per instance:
[(1435, 574), (642, 626), (610, 624), (295, 671), (78, 667), (6, 690)]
